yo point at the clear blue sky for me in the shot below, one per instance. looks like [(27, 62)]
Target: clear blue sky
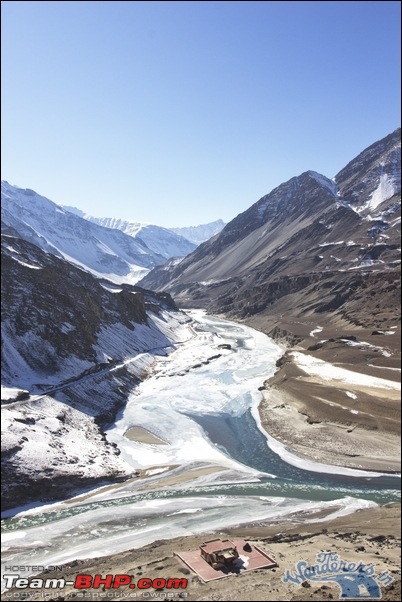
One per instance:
[(180, 113)]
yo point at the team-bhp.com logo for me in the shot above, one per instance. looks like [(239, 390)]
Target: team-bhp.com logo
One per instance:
[(84, 582), (356, 580)]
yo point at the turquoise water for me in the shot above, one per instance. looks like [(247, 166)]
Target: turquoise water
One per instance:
[(108, 521)]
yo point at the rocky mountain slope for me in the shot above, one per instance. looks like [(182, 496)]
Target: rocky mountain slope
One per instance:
[(311, 246), (73, 347)]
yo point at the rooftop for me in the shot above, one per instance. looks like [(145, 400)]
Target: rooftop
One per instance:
[(217, 545)]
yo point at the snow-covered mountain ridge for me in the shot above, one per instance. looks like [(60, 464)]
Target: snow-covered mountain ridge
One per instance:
[(113, 248), (105, 252), (160, 240), (169, 242)]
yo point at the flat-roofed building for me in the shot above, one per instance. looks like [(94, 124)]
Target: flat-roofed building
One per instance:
[(218, 552)]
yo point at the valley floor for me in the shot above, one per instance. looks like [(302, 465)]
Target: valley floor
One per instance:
[(336, 396)]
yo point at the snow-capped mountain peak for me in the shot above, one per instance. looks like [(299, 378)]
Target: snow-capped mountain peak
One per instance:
[(168, 242), (105, 252), (160, 240)]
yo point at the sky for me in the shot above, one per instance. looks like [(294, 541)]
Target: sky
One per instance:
[(181, 113)]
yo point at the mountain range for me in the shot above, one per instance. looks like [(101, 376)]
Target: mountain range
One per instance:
[(162, 241), (111, 248), (168, 242), (313, 245)]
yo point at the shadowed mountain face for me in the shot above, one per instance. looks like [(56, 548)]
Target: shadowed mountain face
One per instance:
[(58, 320), (73, 348), (312, 245)]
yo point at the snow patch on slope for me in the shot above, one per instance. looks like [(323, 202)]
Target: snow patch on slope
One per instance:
[(385, 190), (327, 371)]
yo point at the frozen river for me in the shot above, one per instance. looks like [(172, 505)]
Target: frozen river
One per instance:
[(201, 403)]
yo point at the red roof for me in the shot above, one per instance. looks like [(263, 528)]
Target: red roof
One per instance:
[(217, 545)]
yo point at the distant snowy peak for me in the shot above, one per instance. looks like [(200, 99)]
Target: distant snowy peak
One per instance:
[(130, 228), (199, 234), (160, 240), (168, 242)]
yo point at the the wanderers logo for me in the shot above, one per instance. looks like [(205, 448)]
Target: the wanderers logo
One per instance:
[(356, 580)]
